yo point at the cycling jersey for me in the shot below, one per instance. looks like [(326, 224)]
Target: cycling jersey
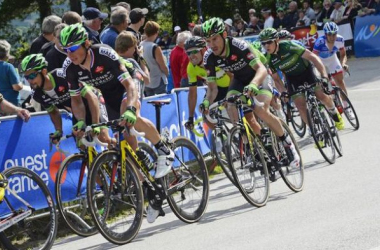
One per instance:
[(107, 72), (239, 60), (57, 97), (323, 51), (194, 71), (288, 59)]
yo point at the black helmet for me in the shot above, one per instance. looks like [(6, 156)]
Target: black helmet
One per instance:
[(195, 42)]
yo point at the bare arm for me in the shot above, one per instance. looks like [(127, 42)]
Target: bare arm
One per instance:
[(161, 61), (279, 84), (343, 56), (77, 106), (93, 105), (9, 108), (132, 94), (56, 119), (17, 86), (316, 61), (261, 73), (146, 76), (192, 101), (212, 91)]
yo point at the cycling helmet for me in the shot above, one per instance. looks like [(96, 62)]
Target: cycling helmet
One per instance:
[(268, 34), (73, 34), (213, 26), (284, 34), (330, 28), (33, 62), (195, 42), (257, 45)]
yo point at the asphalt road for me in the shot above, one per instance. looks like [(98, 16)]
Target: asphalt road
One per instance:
[(339, 207)]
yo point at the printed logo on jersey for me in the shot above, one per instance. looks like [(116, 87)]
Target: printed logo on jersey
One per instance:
[(250, 56), (241, 44), (60, 73), (233, 57), (99, 69), (109, 53), (61, 89), (80, 73)]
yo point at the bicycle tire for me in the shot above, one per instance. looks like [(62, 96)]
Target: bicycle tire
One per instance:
[(333, 130), (222, 157), (285, 170), (257, 165), (149, 150), (130, 203), (319, 130), (76, 214), (299, 128), (338, 94), (30, 229), (180, 190)]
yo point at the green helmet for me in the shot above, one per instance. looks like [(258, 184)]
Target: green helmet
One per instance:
[(257, 45), (33, 62), (213, 26), (268, 34), (73, 34)]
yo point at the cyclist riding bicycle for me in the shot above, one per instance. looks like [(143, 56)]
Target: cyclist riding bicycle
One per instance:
[(195, 48), (238, 57), (296, 63), (326, 47), (51, 90), (99, 65)]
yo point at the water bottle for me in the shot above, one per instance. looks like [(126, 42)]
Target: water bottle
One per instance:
[(144, 158)]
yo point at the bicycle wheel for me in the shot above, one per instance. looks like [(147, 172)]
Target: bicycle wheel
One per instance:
[(33, 214), (297, 123), (148, 150), (188, 184), (333, 130), (221, 152), (321, 134), (293, 177), (339, 95), (123, 220), (70, 191), (248, 167)]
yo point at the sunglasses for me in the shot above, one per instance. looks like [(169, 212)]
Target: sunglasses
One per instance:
[(32, 76), (267, 42), (193, 52), (331, 33), (72, 49)]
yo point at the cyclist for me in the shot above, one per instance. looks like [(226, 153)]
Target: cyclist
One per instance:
[(296, 63), (326, 48), (9, 108), (238, 57), (195, 48), (99, 65), (51, 90)]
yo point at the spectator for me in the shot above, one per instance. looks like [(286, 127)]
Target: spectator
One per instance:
[(48, 25), (254, 25), (126, 47), (337, 14), (56, 56), (10, 84), (229, 27), (268, 19), (309, 12), (137, 17), (197, 31), (317, 10), (155, 60), (237, 17), (302, 16), (292, 16), (239, 27), (119, 22), (326, 12), (165, 40), (350, 12), (300, 23), (280, 22), (251, 13), (125, 5), (179, 61), (177, 29), (190, 26), (71, 17), (92, 22), (8, 108), (373, 7)]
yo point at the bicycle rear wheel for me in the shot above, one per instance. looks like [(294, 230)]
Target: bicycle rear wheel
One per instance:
[(339, 95), (122, 221), (188, 184), (293, 177), (321, 134), (35, 216), (71, 194), (248, 167)]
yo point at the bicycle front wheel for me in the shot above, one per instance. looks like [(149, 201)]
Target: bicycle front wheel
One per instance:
[(297, 123), (349, 110), (71, 194), (116, 209), (248, 167), (33, 212), (188, 184)]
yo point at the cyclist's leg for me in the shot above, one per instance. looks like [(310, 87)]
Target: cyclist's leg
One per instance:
[(329, 103), (336, 70)]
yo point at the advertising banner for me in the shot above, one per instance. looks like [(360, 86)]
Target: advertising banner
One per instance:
[(367, 37)]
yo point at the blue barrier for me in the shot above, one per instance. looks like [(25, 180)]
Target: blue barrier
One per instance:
[(27, 145), (367, 37)]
